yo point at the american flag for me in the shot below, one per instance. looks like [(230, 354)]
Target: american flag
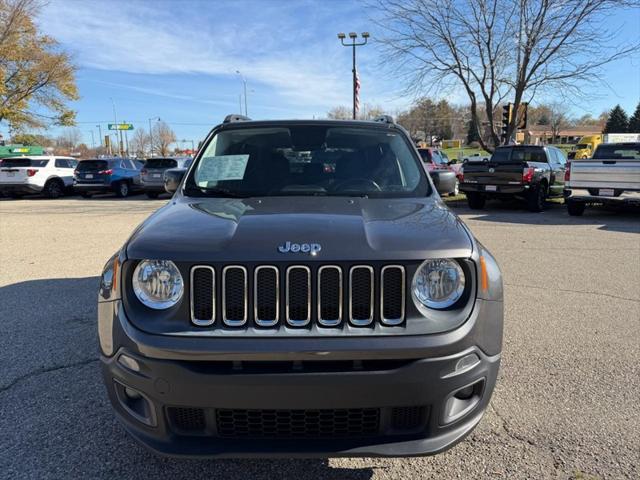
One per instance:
[(357, 93)]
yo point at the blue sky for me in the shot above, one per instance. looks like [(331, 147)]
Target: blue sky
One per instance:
[(177, 61)]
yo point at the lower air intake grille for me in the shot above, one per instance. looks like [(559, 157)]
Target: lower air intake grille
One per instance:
[(353, 422), (408, 418), (186, 419)]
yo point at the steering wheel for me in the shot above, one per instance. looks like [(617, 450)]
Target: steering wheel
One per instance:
[(353, 182)]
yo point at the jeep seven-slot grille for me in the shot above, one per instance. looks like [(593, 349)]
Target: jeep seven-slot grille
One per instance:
[(296, 296)]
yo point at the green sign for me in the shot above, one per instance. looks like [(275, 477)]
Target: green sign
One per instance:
[(120, 126)]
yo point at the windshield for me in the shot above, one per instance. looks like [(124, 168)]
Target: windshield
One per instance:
[(627, 151), (582, 146), (22, 162), (161, 163), (307, 160), (86, 165)]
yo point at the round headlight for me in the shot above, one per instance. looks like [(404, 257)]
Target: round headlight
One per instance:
[(438, 283), (157, 283)]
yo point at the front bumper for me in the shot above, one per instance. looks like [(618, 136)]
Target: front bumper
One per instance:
[(153, 187), (24, 188), (579, 195), (411, 375)]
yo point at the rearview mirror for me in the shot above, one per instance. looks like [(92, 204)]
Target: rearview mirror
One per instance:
[(172, 179)]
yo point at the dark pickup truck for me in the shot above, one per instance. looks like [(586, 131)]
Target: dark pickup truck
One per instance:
[(530, 172)]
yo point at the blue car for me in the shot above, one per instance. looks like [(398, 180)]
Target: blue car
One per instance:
[(118, 175)]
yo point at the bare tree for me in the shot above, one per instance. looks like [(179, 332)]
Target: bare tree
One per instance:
[(557, 120), (499, 49), (140, 142), (340, 113), (69, 139), (163, 137)]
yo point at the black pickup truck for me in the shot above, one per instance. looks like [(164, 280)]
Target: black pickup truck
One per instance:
[(529, 172)]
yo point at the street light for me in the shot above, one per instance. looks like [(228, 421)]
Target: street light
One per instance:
[(353, 36), (244, 81), (99, 134), (151, 135), (115, 119), (93, 141)]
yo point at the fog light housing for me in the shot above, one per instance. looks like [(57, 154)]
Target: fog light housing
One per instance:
[(135, 403), (462, 401)]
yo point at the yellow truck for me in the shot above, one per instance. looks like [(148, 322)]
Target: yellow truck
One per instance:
[(585, 147)]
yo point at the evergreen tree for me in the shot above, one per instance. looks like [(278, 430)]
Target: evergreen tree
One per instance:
[(634, 121), (617, 122), (473, 135)]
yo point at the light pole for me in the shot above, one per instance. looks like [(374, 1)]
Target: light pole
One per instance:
[(93, 140), (244, 81), (99, 134), (353, 45), (157, 119), (115, 119)]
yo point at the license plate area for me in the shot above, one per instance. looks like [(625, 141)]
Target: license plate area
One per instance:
[(606, 192), (89, 175), (490, 188), (157, 175)]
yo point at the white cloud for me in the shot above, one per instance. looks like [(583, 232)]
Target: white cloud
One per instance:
[(135, 38)]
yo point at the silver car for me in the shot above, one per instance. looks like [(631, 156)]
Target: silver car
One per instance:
[(152, 174)]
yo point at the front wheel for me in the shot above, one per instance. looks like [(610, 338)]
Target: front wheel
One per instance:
[(537, 198), (575, 209), (122, 189), (476, 201)]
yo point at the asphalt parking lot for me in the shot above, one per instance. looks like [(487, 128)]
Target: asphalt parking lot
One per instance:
[(566, 405)]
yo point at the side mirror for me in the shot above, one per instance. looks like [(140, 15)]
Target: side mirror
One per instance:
[(172, 179), (435, 178)]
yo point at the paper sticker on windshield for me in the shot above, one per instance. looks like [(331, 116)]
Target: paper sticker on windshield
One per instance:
[(224, 167)]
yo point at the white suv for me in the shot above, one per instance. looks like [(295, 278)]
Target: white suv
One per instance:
[(47, 174)]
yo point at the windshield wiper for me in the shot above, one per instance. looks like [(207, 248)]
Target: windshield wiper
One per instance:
[(219, 192)]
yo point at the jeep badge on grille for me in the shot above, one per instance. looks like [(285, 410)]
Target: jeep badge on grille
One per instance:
[(311, 248)]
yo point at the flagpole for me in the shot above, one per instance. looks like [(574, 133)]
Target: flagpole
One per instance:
[(353, 45)]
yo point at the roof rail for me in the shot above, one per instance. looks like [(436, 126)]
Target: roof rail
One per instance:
[(384, 119), (234, 117)]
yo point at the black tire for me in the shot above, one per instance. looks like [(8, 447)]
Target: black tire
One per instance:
[(575, 209), (476, 201), (152, 195), (86, 194), (53, 188), (537, 199), (122, 189)]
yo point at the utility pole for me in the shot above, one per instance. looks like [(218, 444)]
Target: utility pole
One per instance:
[(157, 119), (99, 134), (353, 36), (115, 119), (93, 140)]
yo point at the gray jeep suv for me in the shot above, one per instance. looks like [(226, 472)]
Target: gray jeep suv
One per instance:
[(305, 293)]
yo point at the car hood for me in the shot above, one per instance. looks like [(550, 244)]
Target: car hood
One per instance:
[(347, 228)]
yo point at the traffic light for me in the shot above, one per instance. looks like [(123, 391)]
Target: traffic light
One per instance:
[(507, 114), (522, 116)]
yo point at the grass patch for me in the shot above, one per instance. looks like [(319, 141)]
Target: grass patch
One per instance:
[(453, 153)]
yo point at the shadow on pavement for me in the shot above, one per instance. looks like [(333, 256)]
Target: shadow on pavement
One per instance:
[(627, 220), (56, 419)]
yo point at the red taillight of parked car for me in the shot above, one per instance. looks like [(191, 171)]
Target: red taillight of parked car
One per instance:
[(105, 172), (567, 172), (527, 174), (31, 172)]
